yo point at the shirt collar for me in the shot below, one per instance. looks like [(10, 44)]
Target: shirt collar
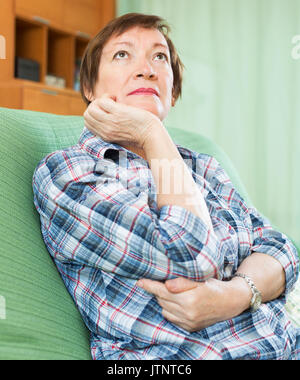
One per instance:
[(101, 149), (97, 147)]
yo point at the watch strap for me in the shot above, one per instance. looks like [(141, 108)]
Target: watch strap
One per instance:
[(256, 295)]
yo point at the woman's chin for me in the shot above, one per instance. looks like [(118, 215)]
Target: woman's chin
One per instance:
[(149, 105)]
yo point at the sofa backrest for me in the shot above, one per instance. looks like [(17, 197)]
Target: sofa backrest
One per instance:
[(39, 319)]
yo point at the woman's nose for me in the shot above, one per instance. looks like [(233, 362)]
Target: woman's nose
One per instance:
[(146, 71)]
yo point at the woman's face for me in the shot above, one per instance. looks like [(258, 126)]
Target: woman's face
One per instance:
[(135, 68)]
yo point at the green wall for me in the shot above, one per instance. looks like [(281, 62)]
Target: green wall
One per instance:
[(242, 89)]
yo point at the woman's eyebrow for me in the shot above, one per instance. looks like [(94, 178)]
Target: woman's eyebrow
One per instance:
[(156, 44), (123, 43)]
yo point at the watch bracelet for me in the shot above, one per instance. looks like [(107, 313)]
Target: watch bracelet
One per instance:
[(253, 288)]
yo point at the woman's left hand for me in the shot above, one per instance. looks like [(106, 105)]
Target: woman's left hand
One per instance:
[(192, 305)]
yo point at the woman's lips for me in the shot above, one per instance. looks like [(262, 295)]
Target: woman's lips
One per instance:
[(144, 91)]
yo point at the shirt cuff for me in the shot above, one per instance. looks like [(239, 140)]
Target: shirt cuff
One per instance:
[(287, 256)]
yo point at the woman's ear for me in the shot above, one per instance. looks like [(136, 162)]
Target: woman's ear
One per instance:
[(173, 101), (89, 95), (173, 97)]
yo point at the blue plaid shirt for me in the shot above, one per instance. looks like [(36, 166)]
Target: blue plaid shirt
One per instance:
[(102, 227)]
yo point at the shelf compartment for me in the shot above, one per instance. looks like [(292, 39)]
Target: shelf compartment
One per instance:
[(31, 43), (61, 51), (80, 47)]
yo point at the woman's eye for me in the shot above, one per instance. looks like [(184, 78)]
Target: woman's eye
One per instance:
[(121, 54), (161, 57)]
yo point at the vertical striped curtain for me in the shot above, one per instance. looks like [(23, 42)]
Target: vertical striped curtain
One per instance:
[(242, 89)]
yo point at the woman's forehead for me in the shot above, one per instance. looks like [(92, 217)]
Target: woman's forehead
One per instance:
[(136, 35)]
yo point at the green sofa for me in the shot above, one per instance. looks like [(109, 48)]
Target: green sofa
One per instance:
[(38, 319)]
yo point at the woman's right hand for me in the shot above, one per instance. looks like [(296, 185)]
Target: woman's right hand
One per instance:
[(119, 123)]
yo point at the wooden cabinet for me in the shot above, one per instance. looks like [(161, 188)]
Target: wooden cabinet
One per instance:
[(83, 17), (76, 106), (7, 23), (54, 34), (44, 100), (21, 94), (42, 10)]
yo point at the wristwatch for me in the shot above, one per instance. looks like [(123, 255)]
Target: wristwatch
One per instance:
[(256, 295)]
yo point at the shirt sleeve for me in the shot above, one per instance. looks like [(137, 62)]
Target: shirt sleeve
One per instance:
[(271, 242), (91, 219), (264, 238)]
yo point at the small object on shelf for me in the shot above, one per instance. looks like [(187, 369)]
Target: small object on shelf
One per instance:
[(27, 69), (53, 80)]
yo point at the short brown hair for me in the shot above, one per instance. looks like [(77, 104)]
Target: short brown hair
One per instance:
[(91, 58)]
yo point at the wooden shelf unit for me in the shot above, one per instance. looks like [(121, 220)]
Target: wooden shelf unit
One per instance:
[(54, 34)]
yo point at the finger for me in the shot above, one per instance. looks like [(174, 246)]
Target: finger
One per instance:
[(110, 105), (170, 307), (156, 288), (107, 103), (91, 123), (96, 112), (99, 128), (88, 118), (170, 317), (180, 284), (109, 96), (176, 321), (105, 96)]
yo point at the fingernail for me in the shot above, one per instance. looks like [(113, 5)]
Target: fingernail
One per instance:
[(140, 283)]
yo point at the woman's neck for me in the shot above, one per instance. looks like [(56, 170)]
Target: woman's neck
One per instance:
[(135, 150)]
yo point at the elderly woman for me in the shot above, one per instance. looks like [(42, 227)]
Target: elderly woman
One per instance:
[(162, 264)]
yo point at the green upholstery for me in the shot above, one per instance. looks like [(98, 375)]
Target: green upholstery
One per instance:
[(41, 320)]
